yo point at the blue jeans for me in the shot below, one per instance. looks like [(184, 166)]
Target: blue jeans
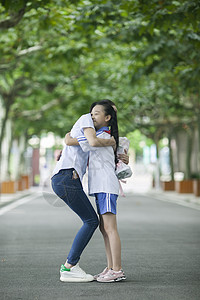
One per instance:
[(71, 191)]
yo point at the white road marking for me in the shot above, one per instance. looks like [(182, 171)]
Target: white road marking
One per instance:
[(17, 203)]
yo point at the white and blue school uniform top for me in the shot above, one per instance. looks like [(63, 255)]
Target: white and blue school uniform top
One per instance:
[(74, 156), (101, 168)]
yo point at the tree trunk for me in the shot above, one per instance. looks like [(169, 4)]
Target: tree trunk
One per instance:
[(22, 149), (5, 150), (171, 158), (188, 154), (8, 102), (10, 143), (157, 170), (198, 156)]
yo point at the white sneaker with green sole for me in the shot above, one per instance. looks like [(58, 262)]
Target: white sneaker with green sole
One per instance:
[(74, 274)]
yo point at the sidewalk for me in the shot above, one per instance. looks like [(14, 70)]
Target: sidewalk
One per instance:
[(142, 184), (133, 186), (189, 200)]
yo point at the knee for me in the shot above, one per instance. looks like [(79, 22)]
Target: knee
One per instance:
[(108, 230), (94, 223)]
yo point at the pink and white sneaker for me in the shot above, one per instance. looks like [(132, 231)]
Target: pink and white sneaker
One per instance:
[(112, 276), (101, 274)]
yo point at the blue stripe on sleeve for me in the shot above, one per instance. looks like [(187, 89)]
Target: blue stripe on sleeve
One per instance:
[(81, 139)]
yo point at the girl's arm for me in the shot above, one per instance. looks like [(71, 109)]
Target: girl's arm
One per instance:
[(74, 142), (93, 141), (69, 141)]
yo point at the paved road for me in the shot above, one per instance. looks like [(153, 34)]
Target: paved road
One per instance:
[(161, 251)]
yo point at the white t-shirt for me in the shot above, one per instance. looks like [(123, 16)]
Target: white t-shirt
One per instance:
[(101, 168), (74, 156)]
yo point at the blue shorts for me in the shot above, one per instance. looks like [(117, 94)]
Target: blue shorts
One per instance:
[(106, 202)]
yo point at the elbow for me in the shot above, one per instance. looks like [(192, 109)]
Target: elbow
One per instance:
[(66, 142), (92, 142)]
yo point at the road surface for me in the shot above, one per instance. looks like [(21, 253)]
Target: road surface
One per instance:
[(160, 251)]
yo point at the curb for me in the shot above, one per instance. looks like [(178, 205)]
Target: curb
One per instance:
[(188, 200)]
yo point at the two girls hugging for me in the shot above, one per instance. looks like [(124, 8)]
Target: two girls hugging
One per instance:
[(92, 143)]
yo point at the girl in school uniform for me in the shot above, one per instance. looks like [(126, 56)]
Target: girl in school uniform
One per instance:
[(66, 183), (104, 185)]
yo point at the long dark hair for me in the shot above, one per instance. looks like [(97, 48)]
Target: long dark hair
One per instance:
[(106, 101), (109, 110)]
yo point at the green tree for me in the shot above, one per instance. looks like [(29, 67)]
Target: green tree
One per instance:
[(57, 57)]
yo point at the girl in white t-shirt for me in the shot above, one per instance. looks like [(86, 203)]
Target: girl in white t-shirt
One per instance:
[(104, 185)]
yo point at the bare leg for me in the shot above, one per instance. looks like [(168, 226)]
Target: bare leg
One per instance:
[(107, 244), (110, 228)]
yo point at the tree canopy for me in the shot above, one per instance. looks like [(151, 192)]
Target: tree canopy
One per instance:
[(57, 57)]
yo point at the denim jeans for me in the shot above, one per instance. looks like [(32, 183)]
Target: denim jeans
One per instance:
[(71, 191)]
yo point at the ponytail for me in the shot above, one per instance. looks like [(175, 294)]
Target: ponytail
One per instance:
[(114, 132), (109, 110)]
